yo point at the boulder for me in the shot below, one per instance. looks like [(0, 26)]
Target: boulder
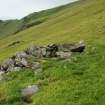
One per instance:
[(24, 62), (43, 51), (80, 47), (4, 68), (64, 55), (38, 52), (21, 55), (66, 47), (28, 92), (30, 50), (21, 62), (8, 65), (34, 51), (51, 50)]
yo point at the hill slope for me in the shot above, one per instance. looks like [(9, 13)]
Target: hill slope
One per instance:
[(10, 27), (81, 20), (79, 81)]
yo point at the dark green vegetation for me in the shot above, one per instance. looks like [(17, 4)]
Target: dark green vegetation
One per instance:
[(80, 81)]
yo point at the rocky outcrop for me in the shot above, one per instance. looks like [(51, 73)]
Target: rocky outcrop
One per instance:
[(20, 59)]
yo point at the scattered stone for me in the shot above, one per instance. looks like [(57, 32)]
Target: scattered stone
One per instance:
[(30, 50), (28, 92), (51, 50), (21, 55), (38, 52), (55, 51), (34, 51), (21, 63), (43, 51), (8, 65)]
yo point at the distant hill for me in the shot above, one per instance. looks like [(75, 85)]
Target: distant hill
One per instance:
[(10, 27)]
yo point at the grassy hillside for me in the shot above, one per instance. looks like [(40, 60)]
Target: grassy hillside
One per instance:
[(8, 27), (81, 20), (76, 82), (11, 27)]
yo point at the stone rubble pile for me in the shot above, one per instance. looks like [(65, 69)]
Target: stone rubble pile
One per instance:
[(19, 60)]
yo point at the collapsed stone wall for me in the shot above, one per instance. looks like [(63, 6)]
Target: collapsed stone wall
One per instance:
[(19, 60)]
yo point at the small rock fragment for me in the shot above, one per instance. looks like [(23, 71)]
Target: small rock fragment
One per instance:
[(28, 92)]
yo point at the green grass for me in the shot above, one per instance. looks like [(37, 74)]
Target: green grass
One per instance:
[(76, 82), (81, 20)]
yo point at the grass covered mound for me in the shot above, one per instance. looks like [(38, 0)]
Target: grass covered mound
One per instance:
[(79, 81)]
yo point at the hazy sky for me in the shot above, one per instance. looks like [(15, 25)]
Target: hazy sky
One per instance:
[(11, 9)]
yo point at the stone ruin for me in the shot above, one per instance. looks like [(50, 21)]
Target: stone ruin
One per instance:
[(19, 60)]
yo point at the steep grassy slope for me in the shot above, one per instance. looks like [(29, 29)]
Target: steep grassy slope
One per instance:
[(10, 27), (78, 21), (76, 82)]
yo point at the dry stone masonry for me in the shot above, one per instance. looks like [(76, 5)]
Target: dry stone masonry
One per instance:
[(19, 60)]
